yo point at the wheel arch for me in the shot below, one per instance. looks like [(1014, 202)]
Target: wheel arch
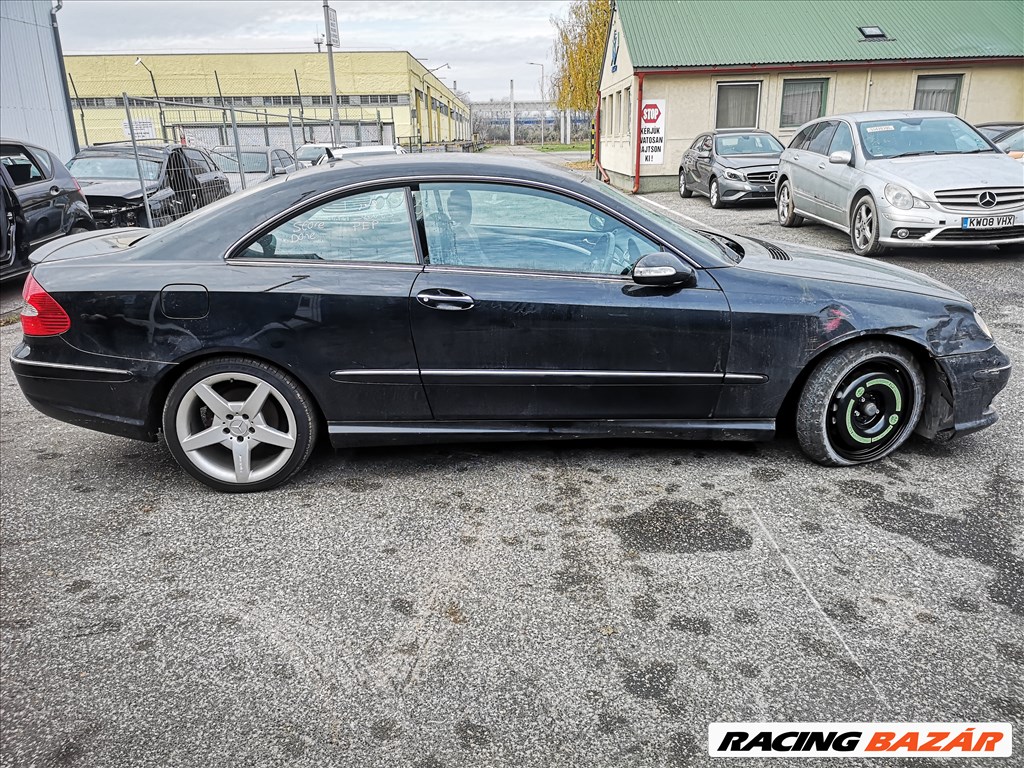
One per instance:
[(162, 388), (855, 198), (935, 378)]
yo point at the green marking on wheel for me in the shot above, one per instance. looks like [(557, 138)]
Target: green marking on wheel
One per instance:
[(859, 392), (893, 419), (890, 385)]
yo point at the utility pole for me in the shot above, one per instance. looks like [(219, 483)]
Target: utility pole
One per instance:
[(331, 24), (543, 103), (511, 113)]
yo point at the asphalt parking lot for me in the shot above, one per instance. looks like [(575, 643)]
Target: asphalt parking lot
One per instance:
[(573, 604)]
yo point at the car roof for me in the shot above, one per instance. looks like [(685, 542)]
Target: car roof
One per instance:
[(227, 148), (888, 114), (717, 131), (125, 147), (23, 143)]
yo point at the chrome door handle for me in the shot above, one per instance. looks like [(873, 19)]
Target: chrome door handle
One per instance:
[(445, 298), (821, 166)]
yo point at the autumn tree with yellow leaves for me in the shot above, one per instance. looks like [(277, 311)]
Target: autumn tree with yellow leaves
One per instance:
[(579, 50)]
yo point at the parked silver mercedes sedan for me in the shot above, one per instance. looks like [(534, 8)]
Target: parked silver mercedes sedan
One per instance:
[(889, 179)]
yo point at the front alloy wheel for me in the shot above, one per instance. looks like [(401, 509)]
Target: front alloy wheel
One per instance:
[(864, 229), (239, 425), (860, 404), (714, 195)]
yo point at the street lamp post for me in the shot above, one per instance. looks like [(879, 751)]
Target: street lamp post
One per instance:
[(159, 104), (543, 102), (333, 39)]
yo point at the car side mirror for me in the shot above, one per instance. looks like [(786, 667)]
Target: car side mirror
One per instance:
[(280, 171), (842, 157), (663, 269)]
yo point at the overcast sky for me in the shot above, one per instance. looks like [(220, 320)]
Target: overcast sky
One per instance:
[(486, 42)]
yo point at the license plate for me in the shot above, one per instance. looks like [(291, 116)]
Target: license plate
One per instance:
[(986, 222)]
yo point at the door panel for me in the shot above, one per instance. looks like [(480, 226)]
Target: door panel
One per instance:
[(544, 347)]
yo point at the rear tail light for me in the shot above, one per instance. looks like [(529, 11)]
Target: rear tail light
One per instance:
[(41, 315)]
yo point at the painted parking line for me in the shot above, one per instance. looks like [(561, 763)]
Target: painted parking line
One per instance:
[(672, 212)]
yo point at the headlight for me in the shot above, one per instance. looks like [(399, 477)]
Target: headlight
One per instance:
[(734, 175), (899, 197), (982, 325)]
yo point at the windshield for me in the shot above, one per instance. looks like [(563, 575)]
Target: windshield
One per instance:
[(308, 154), (909, 136), (1013, 143), (747, 144), (252, 162), (112, 167)]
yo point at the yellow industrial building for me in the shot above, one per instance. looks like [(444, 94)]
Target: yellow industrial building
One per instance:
[(277, 98)]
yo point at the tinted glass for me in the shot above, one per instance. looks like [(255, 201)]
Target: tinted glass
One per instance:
[(800, 140), (370, 226), (21, 167), (822, 137), (842, 140), (1012, 143), (506, 227)]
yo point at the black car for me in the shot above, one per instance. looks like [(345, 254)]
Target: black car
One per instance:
[(993, 131), (452, 298), (179, 180), (39, 202), (731, 166)]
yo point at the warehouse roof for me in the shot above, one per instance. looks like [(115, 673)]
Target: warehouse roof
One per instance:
[(700, 33)]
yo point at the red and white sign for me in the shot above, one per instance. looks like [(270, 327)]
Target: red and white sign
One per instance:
[(652, 132), (790, 740)]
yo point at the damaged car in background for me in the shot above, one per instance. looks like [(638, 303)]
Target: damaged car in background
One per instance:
[(179, 180), (455, 298)]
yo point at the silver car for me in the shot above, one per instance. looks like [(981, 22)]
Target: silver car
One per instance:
[(915, 178), (259, 164)]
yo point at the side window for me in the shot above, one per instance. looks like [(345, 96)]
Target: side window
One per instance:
[(365, 227), (498, 226), (801, 139), (279, 161), (696, 143), (823, 137), (19, 164), (43, 160), (197, 160), (707, 144), (842, 141)]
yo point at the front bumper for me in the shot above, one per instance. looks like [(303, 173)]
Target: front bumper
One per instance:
[(733, 191), (935, 227), (961, 389)]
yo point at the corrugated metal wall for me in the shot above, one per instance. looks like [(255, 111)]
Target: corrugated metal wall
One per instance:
[(32, 106)]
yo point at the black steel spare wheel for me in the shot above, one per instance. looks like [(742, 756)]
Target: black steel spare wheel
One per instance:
[(860, 404)]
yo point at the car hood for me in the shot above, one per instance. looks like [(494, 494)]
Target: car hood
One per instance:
[(129, 189), (821, 264), (934, 172), (749, 161)]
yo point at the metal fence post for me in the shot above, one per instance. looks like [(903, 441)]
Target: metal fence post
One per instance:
[(291, 131), (138, 162), (238, 148)]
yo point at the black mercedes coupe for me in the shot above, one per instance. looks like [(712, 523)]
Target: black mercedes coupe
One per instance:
[(454, 298)]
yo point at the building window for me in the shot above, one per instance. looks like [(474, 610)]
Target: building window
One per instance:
[(738, 105), (802, 100), (627, 111), (941, 92)]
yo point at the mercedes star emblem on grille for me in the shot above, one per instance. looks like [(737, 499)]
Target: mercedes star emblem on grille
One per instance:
[(986, 199), (773, 177)]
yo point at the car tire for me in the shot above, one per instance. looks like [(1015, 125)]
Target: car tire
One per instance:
[(864, 228), (785, 206), (684, 191), (860, 404), (713, 194), (214, 437)]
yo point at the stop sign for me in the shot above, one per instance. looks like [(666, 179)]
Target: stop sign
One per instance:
[(651, 113)]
